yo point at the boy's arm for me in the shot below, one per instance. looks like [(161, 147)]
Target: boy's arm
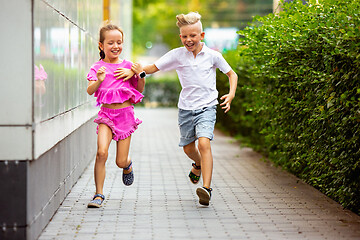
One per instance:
[(126, 73), (150, 69), (230, 96)]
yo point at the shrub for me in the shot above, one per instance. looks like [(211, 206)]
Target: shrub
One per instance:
[(303, 90), (162, 91)]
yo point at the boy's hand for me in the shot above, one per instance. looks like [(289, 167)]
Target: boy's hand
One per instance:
[(100, 74), (227, 102), (124, 73)]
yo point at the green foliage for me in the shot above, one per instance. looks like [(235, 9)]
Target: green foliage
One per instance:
[(155, 22), (240, 120), (299, 83), (163, 91)]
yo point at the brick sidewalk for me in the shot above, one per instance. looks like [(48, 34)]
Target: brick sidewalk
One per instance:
[(251, 198)]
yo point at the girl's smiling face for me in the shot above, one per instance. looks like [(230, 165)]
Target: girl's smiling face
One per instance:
[(112, 45), (191, 36)]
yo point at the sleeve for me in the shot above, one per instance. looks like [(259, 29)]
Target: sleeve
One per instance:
[(168, 61), (221, 63), (92, 74)]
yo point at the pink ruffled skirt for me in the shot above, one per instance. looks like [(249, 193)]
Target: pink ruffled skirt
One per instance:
[(122, 122)]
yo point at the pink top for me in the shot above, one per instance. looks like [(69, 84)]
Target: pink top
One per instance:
[(40, 73), (114, 90)]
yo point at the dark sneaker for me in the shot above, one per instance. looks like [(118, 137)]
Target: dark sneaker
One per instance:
[(96, 203), (128, 178), (204, 195)]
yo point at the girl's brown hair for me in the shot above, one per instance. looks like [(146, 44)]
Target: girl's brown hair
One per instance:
[(103, 30)]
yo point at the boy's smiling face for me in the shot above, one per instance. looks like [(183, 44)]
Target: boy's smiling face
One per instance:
[(191, 36)]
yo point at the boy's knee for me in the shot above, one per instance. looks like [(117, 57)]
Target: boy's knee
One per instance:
[(189, 149), (204, 145)]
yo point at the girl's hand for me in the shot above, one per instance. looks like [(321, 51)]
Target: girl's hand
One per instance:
[(137, 68), (227, 102), (124, 73), (100, 74)]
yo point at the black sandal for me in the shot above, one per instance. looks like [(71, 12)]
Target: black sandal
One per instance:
[(194, 178)]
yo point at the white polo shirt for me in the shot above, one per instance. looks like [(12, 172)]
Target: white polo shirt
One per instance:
[(197, 75)]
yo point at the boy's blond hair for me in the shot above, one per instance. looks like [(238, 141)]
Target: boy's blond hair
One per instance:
[(188, 19)]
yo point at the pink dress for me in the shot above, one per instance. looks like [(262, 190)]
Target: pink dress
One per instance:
[(122, 122)]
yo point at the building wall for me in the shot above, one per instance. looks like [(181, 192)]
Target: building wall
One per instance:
[(46, 126)]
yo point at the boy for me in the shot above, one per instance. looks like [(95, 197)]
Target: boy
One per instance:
[(196, 66)]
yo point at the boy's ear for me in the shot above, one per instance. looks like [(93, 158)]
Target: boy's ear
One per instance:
[(202, 35)]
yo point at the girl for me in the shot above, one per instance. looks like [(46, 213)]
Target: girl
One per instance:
[(116, 118)]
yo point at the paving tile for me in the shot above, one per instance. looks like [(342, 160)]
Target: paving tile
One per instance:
[(252, 199)]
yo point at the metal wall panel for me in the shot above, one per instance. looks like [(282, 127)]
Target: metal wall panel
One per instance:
[(47, 136), (13, 175), (64, 49), (51, 176), (16, 68), (15, 143)]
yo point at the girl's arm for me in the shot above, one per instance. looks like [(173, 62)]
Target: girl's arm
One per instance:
[(137, 69), (141, 85), (230, 96), (94, 85), (124, 73)]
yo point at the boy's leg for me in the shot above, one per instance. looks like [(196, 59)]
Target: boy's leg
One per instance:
[(204, 127), (206, 160), (103, 142), (187, 140), (193, 153)]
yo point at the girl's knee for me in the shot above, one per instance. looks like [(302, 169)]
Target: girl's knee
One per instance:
[(122, 162), (101, 155)]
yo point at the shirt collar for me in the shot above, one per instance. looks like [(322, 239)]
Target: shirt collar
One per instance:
[(202, 51)]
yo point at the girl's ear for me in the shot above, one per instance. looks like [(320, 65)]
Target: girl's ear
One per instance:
[(101, 46)]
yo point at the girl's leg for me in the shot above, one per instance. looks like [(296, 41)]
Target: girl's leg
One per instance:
[(206, 160), (104, 139), (122, 154), (193, 153)]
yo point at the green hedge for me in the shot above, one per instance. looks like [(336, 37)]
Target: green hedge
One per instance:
[(162, 91), (298, 98)]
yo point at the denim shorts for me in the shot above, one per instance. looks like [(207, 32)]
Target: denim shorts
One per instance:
[(194, 124)]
